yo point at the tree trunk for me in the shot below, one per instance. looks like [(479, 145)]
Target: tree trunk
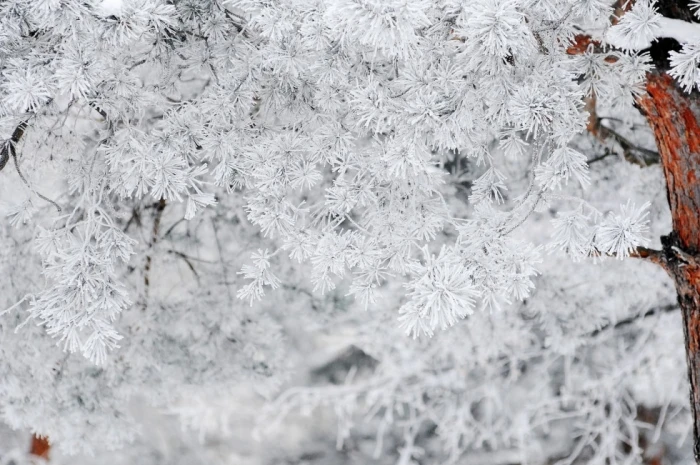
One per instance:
[(674, 117)]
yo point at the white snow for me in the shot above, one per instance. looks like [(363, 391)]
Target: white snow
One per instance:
[(682, 31), (111, 7)]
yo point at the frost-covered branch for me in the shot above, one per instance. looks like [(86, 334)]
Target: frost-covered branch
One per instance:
[(645, 25), (316, 133)]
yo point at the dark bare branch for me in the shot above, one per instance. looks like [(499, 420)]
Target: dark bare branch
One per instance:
[(154, 239), (631, 320), (632, 153), (188, 261), (599, 157)]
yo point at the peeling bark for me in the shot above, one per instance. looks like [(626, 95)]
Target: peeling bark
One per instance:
[(674, 117)]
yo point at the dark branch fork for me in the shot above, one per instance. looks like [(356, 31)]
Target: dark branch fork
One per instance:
[(9, 150)]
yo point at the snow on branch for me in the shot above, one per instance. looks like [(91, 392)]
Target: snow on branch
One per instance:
[(642, 25)]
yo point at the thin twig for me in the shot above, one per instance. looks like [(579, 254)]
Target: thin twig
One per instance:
[(187, 259), (170, 229), (224, 270), (599, 158), (34, 191), (632, 152), (628, 321)]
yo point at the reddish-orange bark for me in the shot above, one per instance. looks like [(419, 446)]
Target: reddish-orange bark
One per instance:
[(40, 447), (673, 116), (580, 44)]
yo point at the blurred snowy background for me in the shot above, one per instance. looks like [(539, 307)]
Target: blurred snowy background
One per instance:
[(489, 391)]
